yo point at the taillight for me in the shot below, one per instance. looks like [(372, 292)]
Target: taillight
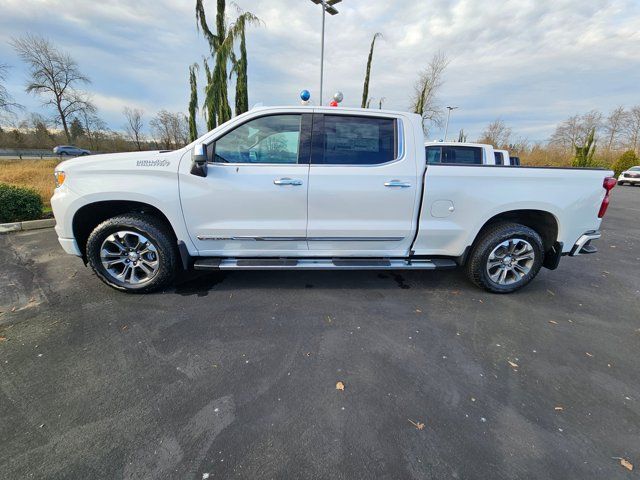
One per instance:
[(608, 184)]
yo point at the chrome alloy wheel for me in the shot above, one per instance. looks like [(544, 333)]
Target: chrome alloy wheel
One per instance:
[(129, 257), (510, 261)]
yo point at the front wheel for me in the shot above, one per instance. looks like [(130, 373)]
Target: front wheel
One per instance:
[(505, 257), (133, 253)]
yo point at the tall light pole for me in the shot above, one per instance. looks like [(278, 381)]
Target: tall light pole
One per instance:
[(328, 7), (446, 128)]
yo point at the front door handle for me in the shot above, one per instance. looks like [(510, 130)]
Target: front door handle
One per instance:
[(287, 181), (397, 183)]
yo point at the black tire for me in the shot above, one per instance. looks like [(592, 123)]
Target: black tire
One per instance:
[(150, 227), (620, 183), (487, 241)]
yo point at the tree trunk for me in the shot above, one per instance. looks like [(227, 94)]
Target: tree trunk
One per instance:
[(63, 120), (242, 88), (365, 90)]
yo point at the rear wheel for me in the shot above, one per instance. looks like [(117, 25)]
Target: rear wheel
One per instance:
[(505, 258), (133, 253)]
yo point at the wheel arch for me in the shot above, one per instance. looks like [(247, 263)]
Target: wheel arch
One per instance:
[(89, 216), (543, 222)]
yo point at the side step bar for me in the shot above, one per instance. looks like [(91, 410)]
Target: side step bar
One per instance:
[(321, 264)]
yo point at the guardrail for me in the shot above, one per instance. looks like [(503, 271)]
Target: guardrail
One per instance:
[(26, 152)]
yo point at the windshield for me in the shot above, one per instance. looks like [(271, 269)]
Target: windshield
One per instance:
[(634, 169)]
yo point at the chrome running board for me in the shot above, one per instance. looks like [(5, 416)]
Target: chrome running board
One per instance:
[(321, 264)]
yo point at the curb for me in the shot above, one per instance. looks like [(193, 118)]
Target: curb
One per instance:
[(30, 225)]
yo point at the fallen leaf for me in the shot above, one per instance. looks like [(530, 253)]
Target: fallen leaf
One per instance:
[(553, 322), (514, 365), (339, 386), (626, 464), (455, 292), (559, 408), (2, 338), (124, 328), (418, 310), (13, 309), (418, 425), (588, 354), (480, 301), (551, 293)]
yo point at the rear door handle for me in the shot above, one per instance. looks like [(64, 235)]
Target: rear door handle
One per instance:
[(397, 183), (287, 181)]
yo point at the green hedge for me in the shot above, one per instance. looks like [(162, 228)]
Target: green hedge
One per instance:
[(625, 162), (18, 204)]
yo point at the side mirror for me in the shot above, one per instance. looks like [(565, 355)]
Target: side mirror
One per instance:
[(199, 160)]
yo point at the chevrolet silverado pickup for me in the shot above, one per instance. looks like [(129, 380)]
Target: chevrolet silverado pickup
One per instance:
[(322, 188)]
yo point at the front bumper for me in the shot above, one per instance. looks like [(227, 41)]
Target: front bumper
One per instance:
[(583, 244), (628, 179), (70, 246)]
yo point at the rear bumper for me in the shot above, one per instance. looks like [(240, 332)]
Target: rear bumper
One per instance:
[(583, 244)]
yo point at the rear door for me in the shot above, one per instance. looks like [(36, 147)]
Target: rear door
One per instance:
[(363, 187)]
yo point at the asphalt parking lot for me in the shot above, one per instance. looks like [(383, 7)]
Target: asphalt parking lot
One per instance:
[(234, 375)]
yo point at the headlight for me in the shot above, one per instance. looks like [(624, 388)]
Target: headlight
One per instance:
[(60, 177)]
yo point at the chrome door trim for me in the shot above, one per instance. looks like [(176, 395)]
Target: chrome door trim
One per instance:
[(355, 239), (256, 239)]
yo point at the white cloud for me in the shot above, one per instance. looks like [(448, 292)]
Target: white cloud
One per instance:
[(530, 62)]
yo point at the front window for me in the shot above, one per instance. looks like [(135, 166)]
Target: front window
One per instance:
[(634, 169), (271, 139)]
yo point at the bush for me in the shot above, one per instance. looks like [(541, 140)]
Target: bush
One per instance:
[(18, 204), (625, 162)]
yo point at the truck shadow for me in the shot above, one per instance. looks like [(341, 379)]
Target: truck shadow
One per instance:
[(201, 283)]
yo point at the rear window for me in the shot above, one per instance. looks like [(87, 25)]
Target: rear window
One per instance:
[(433, 154), (499, 158), (463, 155), (351, 140)]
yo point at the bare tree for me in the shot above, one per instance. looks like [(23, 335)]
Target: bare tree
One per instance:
[(95, 129), (632, 129), (497, 134), (614, 126), (575, 130), (54, 76), (171, 130), (6, 101), (424, 99), (134, 125)]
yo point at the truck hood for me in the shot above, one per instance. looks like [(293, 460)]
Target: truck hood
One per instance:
[(111, 162)]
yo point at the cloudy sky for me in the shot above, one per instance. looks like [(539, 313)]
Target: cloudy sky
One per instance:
[(531, 63)]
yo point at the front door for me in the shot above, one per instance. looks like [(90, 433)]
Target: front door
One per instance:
[(253, 200), (363, 187)]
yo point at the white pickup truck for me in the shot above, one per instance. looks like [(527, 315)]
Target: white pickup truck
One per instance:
[(321, 188)]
